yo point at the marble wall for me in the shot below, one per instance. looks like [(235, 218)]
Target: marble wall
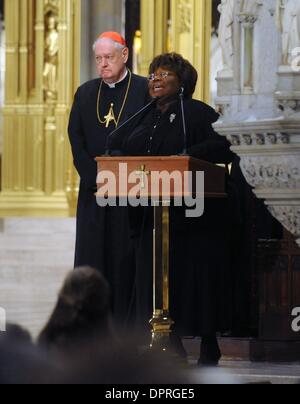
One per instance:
[(259, 98)]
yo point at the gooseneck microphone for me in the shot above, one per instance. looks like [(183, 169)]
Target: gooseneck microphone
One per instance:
[(119, 128), (181, 96)]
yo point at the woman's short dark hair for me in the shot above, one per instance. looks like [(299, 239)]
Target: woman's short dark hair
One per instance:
[(184, 70)]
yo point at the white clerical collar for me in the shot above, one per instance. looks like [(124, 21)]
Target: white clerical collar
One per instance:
[(113, 85)]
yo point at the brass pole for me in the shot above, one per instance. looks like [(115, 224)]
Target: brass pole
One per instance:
[(161, 322)]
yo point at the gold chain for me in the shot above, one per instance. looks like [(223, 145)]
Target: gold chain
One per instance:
[(124, 102)]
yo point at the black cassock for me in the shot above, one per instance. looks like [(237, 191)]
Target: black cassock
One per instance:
[(103, 239), (199, 259)]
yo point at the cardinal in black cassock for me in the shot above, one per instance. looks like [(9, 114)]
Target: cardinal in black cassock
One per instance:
[(198, 246), (103, 240)]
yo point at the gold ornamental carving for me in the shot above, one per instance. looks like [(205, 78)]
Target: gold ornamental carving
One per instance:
[(42, 74), (185, 16), (183, 26)]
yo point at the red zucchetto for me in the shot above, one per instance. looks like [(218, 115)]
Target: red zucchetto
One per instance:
[(114, 36)]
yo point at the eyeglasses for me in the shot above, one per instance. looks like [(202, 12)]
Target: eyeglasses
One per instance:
[(161, 76)]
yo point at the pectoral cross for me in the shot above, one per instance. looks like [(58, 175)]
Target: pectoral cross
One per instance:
[(110, 117), (142, 173)]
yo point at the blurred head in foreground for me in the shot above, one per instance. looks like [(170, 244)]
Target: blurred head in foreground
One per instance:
[(82, 313)]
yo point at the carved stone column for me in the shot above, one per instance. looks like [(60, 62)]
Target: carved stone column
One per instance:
[(263, 121), (247, 22)]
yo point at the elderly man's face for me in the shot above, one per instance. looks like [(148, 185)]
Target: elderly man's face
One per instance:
[(110, 60), (163, 83)]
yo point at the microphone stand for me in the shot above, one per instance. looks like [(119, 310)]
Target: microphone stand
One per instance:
[(181, 96), (107, 153)]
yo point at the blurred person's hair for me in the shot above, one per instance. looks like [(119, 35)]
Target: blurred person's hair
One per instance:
[(82, 312)]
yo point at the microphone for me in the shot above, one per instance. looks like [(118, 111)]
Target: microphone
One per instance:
[(181, 96), (140, 112)]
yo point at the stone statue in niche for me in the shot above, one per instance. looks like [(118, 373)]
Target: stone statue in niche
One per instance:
[(226, 9), (288, 22), (51, 57)]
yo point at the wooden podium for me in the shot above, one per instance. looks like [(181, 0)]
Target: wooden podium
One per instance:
[(143, 169)]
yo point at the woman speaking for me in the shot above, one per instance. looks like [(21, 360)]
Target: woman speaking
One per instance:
[(198, 246)]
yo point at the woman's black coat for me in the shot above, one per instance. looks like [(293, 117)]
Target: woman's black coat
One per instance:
[(199, 248)]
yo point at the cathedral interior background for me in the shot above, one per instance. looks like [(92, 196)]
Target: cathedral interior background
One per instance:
[(243, 51)]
